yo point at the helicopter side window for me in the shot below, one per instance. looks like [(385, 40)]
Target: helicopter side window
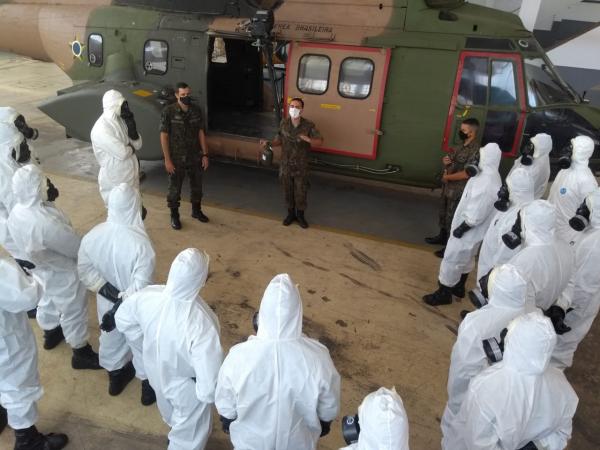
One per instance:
[(503, 91), (156, 54), (356, 77), (473, 89), (95, 49), (313, 74)]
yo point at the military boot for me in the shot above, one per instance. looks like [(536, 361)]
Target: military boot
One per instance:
[(85, 358), (175, 222), (144, 212), (31, 439), (443, 296), (301, 220), (197, 212), (120, 378), (53, 337), (3, 419), (440, 253), (440, 239), (148, 394), (290, 217), (32, 313), (459, 288)]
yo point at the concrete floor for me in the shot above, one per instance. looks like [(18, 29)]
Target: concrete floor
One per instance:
[(361, 269)]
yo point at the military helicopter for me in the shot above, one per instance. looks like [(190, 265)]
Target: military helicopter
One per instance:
[(387, 82)]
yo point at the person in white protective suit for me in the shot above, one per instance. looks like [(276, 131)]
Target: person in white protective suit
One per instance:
[(182, 350), (582, 294), (115, 140), (279, 389), (544, 261), (521, 402), (20, 387), (11, 116), (383, 422), (10, 140), (117, 257), (494, 252), (471, 220), (507, 290), (571, 186), (45, 235), (539, 163)]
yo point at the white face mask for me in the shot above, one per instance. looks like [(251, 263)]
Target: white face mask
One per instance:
[(294, 112)]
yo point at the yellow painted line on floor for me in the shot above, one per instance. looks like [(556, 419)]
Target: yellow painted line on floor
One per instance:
[(252, 213)]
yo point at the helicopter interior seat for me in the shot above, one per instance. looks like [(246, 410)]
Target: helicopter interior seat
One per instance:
[(235, 90)]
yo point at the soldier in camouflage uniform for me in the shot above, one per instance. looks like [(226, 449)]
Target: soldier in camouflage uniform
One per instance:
[(184, 147), (454, 180), (296, 136)]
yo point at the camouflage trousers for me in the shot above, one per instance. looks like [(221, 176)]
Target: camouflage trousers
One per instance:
[(448, 204), (295, 190), (193, 169)]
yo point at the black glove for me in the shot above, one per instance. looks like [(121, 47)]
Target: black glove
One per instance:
[(109, 292), (325, 428), (529, 446), (225, 422), (108, 320), (557, 316), (129, 120), (52, 193), (461, 229)]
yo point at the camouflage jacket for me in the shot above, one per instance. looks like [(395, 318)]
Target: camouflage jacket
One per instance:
[(183, 129), (295, 151), (460, 158)]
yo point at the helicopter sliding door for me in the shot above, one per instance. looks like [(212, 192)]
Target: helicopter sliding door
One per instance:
[(489, 87), (342, 88)]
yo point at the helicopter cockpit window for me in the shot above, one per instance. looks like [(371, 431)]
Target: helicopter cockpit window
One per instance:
[(95, 49), (502, 84), (473, 89), (313, 74), (544, 86), (356, 77), (156, 54)]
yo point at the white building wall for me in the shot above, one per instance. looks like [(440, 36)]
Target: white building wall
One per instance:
[(582, 52)]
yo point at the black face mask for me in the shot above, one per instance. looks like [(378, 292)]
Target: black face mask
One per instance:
[(187, 101), (527, 154), (24, 153), (564, 161), (513, 238), (503, 199), (581, 219), (350, 429), (462, 135), (21, 125)]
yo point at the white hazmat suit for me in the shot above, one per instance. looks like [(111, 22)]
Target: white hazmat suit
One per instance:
[(113, 148), (540, 168), (475, 209), (278, 385), (118, 251), (507, 290), (20, 387), (10, 139), (45, 235), (493, 251), (583, 291), (571, 186), (181, 342), (520, 399), (544, 261), (383, 422)]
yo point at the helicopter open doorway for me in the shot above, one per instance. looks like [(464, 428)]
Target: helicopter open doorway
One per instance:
[(240, 99)]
